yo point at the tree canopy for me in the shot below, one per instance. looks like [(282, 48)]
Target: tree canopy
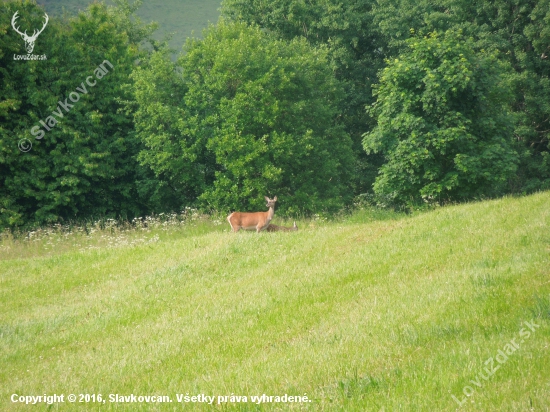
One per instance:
[(442, 123), (242, 115), (81, 162), (363, 35), (315, 102)]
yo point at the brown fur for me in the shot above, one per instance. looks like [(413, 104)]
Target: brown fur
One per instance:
[(253, 221), (275, 228)]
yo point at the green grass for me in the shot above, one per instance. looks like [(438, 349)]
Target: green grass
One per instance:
[(369, 312)]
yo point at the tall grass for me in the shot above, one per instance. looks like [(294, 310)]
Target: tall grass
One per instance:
[(101, 233), (112, 233), (367, 312)]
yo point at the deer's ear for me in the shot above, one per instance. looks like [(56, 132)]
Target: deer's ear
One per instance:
[(266, 198), (275, 198)]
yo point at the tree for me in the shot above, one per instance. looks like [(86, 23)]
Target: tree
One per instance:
[(518, 31), (347, 29), (442, 123), (242, 115), (361, 34), (82, 161)]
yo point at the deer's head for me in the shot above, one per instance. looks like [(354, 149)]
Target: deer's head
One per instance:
[(270, 202), (29, 40)]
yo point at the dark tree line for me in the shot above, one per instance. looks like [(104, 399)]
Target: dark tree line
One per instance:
[(365, 36), (316, 102)]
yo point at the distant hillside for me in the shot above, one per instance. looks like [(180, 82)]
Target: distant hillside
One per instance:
[(182, 17)]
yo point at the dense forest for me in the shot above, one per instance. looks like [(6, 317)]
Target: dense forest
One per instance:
[(402, 102)]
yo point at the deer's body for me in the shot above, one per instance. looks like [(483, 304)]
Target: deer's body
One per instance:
[(275, 228), (253, 221)]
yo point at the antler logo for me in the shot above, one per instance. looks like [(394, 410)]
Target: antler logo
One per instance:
[(29, 40)]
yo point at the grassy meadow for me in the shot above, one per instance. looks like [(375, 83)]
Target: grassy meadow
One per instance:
[(376, 311)]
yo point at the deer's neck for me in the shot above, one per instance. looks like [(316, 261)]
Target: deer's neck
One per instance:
[(270, 213)]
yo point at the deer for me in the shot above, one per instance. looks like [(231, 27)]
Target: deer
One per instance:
[(275, 228), (29, 40), (254, 220)]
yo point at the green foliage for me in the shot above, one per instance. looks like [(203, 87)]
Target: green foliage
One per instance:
[(532, 89), (243, 115), (442, 123), (159, 118), (518, 31), (354, 51), (362, 34), (85, 164), (274, 103)]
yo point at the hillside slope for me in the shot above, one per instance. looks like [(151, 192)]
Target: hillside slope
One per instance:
[(400, 314), (180, 18)]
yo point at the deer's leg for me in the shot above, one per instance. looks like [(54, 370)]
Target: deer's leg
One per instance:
[(233, 228)]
